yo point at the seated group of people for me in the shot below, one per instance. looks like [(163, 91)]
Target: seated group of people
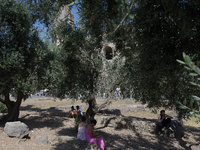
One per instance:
[(86, 132), (164, 120), (75, 112)]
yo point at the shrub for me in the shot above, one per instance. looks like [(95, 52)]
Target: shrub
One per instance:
[(3, 108), (77, 121)]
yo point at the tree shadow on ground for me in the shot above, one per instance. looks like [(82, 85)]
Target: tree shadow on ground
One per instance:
[(162, 142), (167, 141), (187, 145), (118, 142), (127, 118), (68, 132), (52, 117), (138, 142), (2, 123)]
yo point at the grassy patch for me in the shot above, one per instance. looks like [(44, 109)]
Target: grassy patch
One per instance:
[(192, 123)]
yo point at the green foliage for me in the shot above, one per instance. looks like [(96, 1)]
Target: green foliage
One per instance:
[(191, 106), (100, 17), (44, 11), (152, 42), (76, 122), (24, 56), (84, 68), (3, 108)]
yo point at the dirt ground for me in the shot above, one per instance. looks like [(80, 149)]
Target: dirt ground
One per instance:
[(48, 117)]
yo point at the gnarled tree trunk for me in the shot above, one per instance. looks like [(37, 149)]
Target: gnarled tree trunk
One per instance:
[(91, 111), (13, 107), (94, 107)]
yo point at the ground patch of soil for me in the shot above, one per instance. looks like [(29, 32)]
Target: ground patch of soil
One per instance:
[(47, 117)]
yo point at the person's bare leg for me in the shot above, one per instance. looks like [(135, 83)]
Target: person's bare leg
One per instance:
[(72, 114), (75, 114)]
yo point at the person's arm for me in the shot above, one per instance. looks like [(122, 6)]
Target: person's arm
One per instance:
[(169, 116), (78, 112), (92, 132), (80, 124), (160, 119)]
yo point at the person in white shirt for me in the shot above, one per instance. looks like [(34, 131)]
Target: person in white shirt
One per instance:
[(79, 111), (81, 129)]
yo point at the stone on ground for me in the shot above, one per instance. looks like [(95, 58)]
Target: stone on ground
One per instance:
[(16, 129), (195, 147), (43, 140)]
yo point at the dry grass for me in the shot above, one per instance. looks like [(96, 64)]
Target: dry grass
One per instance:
[(115, 104), (48, 117), (193, 123)]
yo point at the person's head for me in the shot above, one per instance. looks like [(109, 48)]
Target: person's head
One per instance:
[(162, 112), (77, 107), (93, 122), (83, 118), (72, 108)]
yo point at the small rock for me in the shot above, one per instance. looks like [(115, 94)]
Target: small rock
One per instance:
[(16, 129), (43, 140), (195, 147)]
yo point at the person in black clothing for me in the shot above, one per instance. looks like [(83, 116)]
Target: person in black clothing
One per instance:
[(164, 120)]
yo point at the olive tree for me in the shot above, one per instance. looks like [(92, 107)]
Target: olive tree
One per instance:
[(24, 56)]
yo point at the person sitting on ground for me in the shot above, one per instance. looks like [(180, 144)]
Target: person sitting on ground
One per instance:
[(94, 138), (81, 129), (164, 120), (79, 111), (72, 112)]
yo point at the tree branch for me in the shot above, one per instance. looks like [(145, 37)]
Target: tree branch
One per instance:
[(123, 18), (72, 3), (109, 98)]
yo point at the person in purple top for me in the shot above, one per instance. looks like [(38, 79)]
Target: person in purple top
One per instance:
[(91, 137)]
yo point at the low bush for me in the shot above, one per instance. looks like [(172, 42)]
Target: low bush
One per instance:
[(77, 121), (3, 108)]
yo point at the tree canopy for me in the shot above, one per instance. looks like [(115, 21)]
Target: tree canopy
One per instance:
[(84, 66), (24, 56), (149, 37), (152, 40)]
